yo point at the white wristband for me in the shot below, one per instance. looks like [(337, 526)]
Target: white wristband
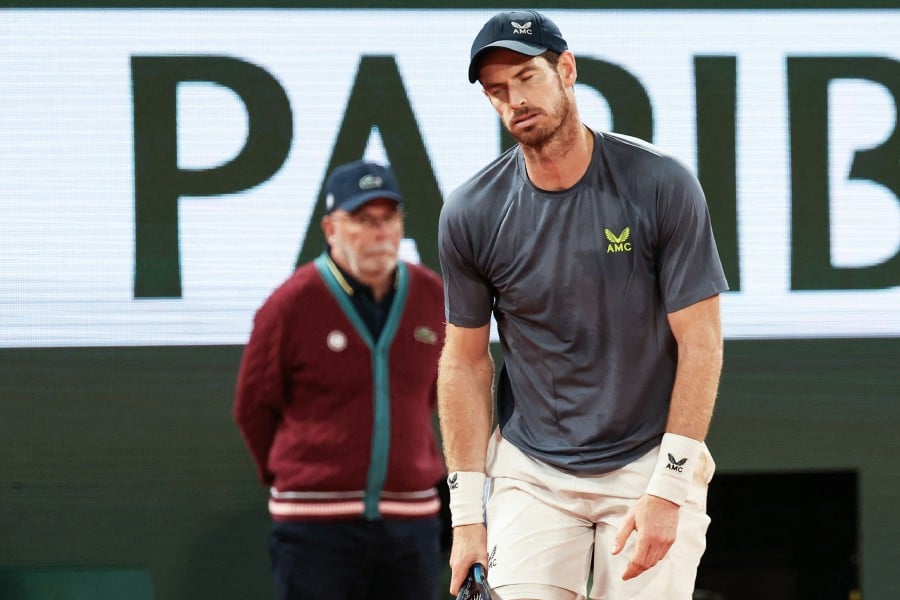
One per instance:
[(674, 470), (466, 497)]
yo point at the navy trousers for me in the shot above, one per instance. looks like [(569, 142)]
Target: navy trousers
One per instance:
[(356, 560)]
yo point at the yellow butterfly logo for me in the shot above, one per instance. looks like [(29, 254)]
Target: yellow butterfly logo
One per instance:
[(618, 239)]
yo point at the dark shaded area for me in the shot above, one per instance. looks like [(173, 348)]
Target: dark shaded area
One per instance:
[(782, 536)]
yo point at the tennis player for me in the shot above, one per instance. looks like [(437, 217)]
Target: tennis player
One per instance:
[(594, 253)]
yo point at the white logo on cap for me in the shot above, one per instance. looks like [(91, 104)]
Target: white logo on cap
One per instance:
[(370, 182), (521, 29), (329, 201)]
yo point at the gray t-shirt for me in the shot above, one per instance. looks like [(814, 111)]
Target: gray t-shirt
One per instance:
[(580, 282)]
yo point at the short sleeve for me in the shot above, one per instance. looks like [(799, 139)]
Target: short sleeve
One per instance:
[(687, 258), (468, 296)]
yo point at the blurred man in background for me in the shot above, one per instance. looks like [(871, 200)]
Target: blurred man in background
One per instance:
[(335, 401)]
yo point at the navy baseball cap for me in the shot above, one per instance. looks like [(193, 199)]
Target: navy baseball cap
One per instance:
[(351, 185), (526, 32)]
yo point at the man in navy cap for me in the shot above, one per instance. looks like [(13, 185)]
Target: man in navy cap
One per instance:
[(335, 401), (595, 255)]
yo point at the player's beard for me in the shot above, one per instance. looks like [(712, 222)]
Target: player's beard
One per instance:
[(538, 137)]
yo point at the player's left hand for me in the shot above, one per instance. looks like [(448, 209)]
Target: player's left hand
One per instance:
[(655, 520)]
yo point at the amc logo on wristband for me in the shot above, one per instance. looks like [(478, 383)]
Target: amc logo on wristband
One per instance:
[(676, 465)]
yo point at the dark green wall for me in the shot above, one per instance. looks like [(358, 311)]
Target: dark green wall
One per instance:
[(129, 457)]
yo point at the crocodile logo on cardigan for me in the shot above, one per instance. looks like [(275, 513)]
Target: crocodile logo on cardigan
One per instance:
[(425, 335)]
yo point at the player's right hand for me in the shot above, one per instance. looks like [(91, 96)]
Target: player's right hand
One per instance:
[(469, 547)]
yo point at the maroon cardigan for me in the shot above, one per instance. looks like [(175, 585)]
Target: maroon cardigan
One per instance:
[(339, 426)]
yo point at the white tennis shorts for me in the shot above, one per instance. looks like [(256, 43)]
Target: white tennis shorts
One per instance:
[(545, 525)]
